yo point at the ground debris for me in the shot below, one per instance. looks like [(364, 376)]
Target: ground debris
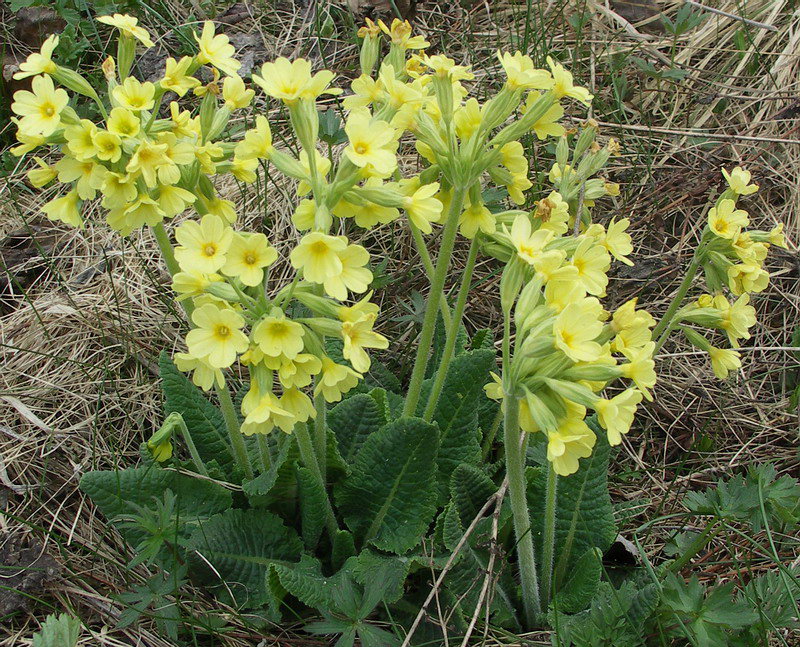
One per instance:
[(27, 571)]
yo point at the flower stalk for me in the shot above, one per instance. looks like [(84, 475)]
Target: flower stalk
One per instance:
[(549, 537)]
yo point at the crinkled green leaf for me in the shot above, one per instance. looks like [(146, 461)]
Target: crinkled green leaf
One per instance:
[(353, 421), (312, 507), (577, 593), (390, 497), (204, 420), (456, 411), (470, 489), (233, 551)]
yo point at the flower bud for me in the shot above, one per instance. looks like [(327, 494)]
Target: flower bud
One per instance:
[(709, 317), (368, 56), (572, 391), (586, 138), (208, 109), (223, 291), (696, 339), (305, 122), (510, 284), (126, 49), (592, 373), (317, 304), (323, 326), (219, 122), (540, 412), (562, 152), (160, 443), (205, 186), (287, 165)]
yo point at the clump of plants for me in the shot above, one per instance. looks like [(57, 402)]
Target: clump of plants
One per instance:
[(315, 483)]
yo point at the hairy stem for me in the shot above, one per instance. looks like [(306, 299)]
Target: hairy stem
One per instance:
[(515, 469), (187, 438), (234, 433), (548, 547), (437, 284), (419, 241), (309, 459), (664, 327), (321, 435), (452, 331)]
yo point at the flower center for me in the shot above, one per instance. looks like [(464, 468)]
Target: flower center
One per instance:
[(223, 331), (250, 258), (48, 109), (360, 148), (210, 249), (319, 248)]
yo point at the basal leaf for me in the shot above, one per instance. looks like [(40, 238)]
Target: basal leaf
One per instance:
[(233, 551), (353, 420), (457, 411), (390, 497), (470, 489), (312, 507), (577, 592), (204, 421)]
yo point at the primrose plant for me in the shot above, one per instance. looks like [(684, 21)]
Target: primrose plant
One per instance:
[(319, 474)]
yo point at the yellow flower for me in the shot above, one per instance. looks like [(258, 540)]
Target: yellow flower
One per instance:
[(173, 200), (725, 220), (80, 140), (777, 238), (27, 142), (354, 276), (142, 211), (475, 217), (521, 74), (468, 119), (358, 310), (528, 245), (147, 160), (183, 125), (572, 440), (615, 239), (218, 338), (553, 213), (366, 91), (632, 326), (89, 176), (422, 208), (299, 406), (216, 50), (563, 85), (304, 215), (129, 26), (176, 78), (357, 336), (616, 415), (235, 93), (244, 170), (747, 277), (739, 181), (107, 145), (519, 183), (202, 247), (64, 209), (372, 142), (290, 81), (298, 372), (724, 360), (317, 256), (562, 292), (176, 154), (576, 328), (547, 125), (123, 122), (367, 214), (512, 156), (261, 411), (40, 109), (592, 262), (133, 95), (323, 165), (203, 374), (278, 336), (400, 33), (190, 284), (117, 189), (39, 62), (247, 257), (335, 380), (42, 175), (641, 368)]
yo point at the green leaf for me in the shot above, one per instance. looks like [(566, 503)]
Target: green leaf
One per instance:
[(258, 489), (457, 413), (330, 127), (387, 574), (344, 547), (470, 489), (353, 421), (233, 551), (204, 421), (58, 631), (584, 515), (312, 507), (306, 582), (466, 576), (122, 492), (390, 497), (582, 585)]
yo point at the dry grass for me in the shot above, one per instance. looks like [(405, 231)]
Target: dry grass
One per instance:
[(77, 389)]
